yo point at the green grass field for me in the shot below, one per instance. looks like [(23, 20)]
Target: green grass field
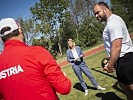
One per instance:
[(107, 80)]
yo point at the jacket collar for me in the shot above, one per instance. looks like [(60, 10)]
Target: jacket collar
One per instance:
[(14, 43)]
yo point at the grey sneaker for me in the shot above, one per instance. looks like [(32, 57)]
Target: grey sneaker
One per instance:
[(100, 88)]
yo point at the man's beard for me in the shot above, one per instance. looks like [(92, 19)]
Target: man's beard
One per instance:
[(103, 18), (24, 40)]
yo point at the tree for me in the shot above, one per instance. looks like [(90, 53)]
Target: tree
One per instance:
[(89, 32), (50, 13), (30, 29)]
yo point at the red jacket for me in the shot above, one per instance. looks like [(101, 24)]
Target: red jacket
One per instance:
[(30, 73)]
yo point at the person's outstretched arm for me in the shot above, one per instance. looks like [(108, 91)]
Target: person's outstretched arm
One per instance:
[(53, 73)]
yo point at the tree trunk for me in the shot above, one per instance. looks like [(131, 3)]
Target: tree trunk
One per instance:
[(60, 49)]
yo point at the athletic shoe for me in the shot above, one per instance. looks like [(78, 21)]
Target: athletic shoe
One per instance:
[(86, 92), (100, 88)]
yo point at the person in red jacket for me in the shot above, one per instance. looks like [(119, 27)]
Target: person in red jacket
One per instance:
[(28, 72)]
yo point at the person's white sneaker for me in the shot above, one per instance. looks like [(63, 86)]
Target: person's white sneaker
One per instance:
[(100, 88), (86, 92)]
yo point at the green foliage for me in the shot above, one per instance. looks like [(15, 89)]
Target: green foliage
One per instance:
[(41, 42), (44, 42), (89, 32), (50, 14)]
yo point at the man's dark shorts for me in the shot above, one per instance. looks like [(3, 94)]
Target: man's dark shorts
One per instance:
[(124, 69)]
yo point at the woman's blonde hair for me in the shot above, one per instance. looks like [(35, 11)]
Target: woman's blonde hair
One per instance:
[(71, 41)]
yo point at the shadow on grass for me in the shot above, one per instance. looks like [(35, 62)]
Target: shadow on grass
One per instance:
[(115, 86), (108, 96), (103, 96), (104, 73), (79, 87)]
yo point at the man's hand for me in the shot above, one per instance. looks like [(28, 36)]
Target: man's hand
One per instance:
[(109, 68)]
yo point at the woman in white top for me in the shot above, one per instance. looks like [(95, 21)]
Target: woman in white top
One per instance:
[(75, 57)]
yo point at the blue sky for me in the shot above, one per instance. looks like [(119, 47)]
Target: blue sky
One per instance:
[(16, 8)]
